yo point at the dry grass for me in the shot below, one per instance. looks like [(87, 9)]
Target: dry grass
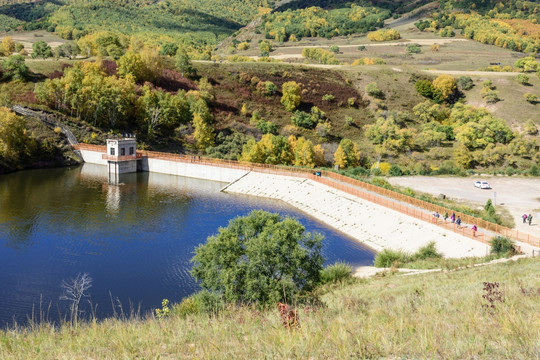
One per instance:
[(437, 315)]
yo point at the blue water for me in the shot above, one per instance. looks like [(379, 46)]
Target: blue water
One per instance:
[(135, 238)]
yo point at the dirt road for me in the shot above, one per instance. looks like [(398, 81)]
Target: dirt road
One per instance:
[(518, 195), (473, 73)]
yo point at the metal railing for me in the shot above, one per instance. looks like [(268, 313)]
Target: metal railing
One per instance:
[(49, 120), (376, 194)]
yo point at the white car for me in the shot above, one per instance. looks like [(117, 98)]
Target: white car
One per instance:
[(482, 185)]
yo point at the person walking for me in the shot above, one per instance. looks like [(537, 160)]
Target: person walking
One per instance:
[(458, 221), (474, 230), (524, 217), (529, 219), (445, 216), (453, 217)]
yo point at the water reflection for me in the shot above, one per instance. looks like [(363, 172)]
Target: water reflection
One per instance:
[(134, 236)]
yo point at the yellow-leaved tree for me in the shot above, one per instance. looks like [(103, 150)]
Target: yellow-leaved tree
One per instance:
[(8, 44), (347, 154), (446, 84), (14, 141), (291, 95), (204, 133)]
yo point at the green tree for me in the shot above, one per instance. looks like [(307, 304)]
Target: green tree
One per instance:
[(41, 49), (68, 50), (15, 68), (168, 49), (291, 95), (132, 64), (162, 112), (424, 88), (260, 258), (265, 47), (183, 63)]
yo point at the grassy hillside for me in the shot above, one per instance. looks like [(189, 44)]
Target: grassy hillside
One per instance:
[(190, 22), (435, 315)]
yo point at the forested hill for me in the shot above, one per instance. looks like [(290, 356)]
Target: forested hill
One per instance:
[(201, 22)]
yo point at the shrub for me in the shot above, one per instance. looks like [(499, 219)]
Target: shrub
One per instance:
[(522, 79), (243, 46), (328, 97), (422, 24), (447, 32), (531, 98), (349, 120), (435, 47), (534, 170), (395, 171), (381, 182), (321, 55), (269, 88), (384, 167), (361, 48), (530, 127), (388, 258), (323, 129), (266, 127), (368, 61), (488, 84), (337, 272), (373, 90), (334, 49), (428, 251), (302, 119), (383, 35), (188, 306), (489, 208), (502, 246), (491, 96), (413, 49), (465, 83)]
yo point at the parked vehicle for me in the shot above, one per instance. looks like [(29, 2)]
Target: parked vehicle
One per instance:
[(482, 185)]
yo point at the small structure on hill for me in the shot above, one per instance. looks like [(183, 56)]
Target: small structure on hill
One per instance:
[(122, 155)]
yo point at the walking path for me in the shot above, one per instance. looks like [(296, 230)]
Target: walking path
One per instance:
[(364, 272)]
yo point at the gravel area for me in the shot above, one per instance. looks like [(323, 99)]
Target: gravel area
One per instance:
[(518, 195)]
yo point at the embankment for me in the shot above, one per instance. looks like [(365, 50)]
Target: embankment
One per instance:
[(369, 223)]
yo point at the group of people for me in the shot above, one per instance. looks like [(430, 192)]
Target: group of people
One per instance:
[(452, 218), (455, 220), (527, 218)]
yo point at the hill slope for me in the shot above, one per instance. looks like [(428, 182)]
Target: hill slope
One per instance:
[(435, 315)]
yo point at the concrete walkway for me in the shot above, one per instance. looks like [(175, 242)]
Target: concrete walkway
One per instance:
[(376, 226)]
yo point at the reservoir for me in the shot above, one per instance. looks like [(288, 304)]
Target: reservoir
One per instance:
[(134, 237)]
